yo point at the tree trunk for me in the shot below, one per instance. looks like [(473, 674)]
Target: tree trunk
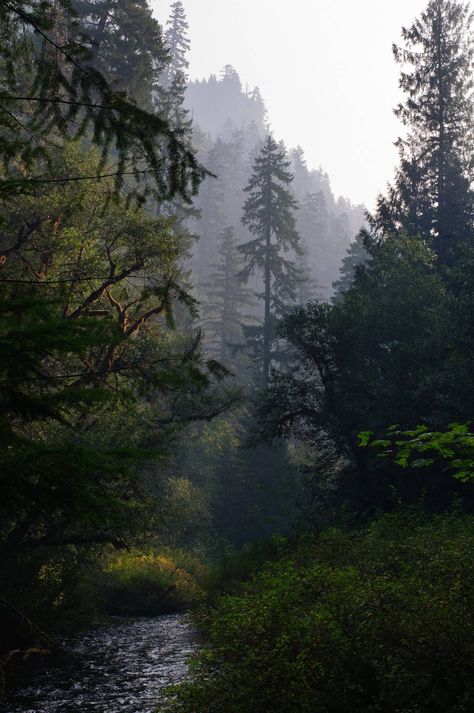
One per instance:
[(267, 326), (441, 167)]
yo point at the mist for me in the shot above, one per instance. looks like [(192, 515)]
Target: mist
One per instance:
[(236, 356), (326, 72)]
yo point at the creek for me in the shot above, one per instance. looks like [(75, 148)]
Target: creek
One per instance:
[(119, 668)]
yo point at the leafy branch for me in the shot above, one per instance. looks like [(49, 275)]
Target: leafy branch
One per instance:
[(422, 448)]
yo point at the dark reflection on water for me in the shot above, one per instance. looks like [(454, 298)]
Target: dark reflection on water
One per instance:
[(117, 669)]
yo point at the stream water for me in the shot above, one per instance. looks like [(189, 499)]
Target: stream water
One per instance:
[(115, 669)]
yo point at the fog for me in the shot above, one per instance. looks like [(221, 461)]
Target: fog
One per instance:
[(236, 356), (325, 70)]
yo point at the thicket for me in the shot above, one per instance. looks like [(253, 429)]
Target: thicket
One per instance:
[(375, 620)]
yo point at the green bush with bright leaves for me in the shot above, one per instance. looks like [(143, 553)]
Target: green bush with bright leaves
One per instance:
[(149, 583), (378, 621)]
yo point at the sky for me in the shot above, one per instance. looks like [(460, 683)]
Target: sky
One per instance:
[(326, 72)]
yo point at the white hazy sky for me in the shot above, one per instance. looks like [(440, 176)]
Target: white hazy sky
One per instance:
[(326, 72)]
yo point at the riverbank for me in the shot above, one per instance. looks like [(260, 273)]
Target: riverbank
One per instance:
[(133, 583)]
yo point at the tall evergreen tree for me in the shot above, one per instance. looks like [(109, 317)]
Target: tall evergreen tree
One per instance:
[(170, 95), (269, 214), (211, 202), (169, 101), (230, 74), (177, 42), (301, 173), (126, 43), (314, 226), (226, 299), (308, 288), (432, 194), (50, 82), (221, 198), (356, 255)]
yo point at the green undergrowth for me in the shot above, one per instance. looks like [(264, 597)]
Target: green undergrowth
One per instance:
[(149, 583), (374, 621), (63, 596), (233, 567)]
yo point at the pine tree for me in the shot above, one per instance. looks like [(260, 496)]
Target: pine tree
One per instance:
[(432, 194), (226, 299), (308, 288), (220, 199), (258, 108), (211, 203), (356, 255), (170, 96), (314, 222), (230, 74), (177, 42), (299, 167), (50, 83), (126, 43), (269, 214), (169, 102)]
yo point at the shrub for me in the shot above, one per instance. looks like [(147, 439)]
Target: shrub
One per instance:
[(232, 567), (381, 621), (151, 583)]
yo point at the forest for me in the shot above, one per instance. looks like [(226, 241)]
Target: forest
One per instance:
[(236, 409)]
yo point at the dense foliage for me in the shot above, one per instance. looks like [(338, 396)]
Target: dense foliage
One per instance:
[(396, 349), (379, 620), (96, 377), (52, 88), (189, 364)]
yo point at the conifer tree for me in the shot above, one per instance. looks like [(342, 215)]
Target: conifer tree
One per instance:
[(170, 95), (259, 108), (299, 167), (220, 199), (169, 100), (126, 43), (226, 299), (356, 255), (432, 194), (177, 42), (314, 222), (50, 83), (230, 74), (269, 214), (211, 202), (308, 288)]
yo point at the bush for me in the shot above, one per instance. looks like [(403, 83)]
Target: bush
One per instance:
[(378, 622), (151, 583), (232, 567)]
